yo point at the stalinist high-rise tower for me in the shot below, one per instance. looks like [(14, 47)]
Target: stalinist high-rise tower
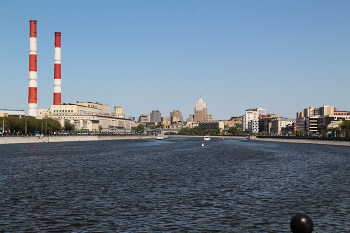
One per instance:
[(201, 112)]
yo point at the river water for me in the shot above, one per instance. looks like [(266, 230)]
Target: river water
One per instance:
[(176, 185)]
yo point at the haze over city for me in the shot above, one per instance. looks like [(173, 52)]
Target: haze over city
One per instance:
[(282, 56)]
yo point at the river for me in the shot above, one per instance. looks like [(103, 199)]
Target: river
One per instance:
[(174, 185)]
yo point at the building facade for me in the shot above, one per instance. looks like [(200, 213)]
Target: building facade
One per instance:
[(201, 112), (233, 121), (251, 114), (314, 121), (155, 116), (12, 113), (279, 123), (118, 112), (143, 119), (176, 116), (265, 122), (88, 116)]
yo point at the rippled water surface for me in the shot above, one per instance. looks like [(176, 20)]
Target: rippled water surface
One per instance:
[(173, 185)]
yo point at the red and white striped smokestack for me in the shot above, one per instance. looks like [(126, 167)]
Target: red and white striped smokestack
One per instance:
[(33, 76), (57, 70)]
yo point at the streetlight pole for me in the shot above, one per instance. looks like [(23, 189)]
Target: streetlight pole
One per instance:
[(3, 125), (25, 127)]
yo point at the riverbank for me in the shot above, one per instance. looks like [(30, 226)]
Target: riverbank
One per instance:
[(303, 140), (76, 138), (52, 139), (48, 139)]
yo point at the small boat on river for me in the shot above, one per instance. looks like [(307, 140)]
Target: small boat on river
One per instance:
[(207, 138), (160, 137)]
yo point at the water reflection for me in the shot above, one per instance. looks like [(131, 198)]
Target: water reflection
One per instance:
[(173, 185)]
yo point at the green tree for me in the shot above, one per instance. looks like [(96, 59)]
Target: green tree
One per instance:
[(212, 131), (52, 125), (184, 131), (139, 129), (345, 128), (323, 129), (151, 126), (236, 130), (68, 126), (262, 133), (196, 130), (33, 125), (30, 125)]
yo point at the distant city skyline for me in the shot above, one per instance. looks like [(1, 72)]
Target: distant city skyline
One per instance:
[(282, 56)]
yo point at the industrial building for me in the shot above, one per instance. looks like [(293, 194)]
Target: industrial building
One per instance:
[(89, 116), (86, 116)]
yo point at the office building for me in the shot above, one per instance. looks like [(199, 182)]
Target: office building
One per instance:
[(201, 112), (155, 116), (176, 116)]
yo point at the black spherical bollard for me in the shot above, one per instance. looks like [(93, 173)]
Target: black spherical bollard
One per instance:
[(301, 223)]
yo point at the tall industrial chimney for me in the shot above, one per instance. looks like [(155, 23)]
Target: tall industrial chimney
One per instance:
[(57, 70), (33, 76)]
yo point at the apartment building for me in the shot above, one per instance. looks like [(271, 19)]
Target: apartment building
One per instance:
[(251, 114), (279, 123)]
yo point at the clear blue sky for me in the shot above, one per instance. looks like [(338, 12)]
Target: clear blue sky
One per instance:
[(283, 56)]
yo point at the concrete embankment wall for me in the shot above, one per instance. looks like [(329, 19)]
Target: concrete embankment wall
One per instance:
[(46, 139), (309, 141)]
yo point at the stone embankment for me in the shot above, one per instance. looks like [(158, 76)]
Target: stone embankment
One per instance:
[(46, 139), (323, 141)]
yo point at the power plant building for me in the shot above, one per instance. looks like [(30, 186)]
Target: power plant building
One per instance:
[(88, 116)]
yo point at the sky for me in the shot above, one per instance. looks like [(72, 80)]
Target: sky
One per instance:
[(147, 55)]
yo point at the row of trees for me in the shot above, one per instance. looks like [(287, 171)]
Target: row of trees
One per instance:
[(198, 131), (138, 129), (342, 129), (29, 125), (236, 130)]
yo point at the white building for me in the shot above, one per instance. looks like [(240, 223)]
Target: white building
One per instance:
[(88, 116), (118, 112), (12, 113), (250, 115), (253, 126)]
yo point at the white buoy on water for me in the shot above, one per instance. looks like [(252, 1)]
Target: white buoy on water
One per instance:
[(202, 144)]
